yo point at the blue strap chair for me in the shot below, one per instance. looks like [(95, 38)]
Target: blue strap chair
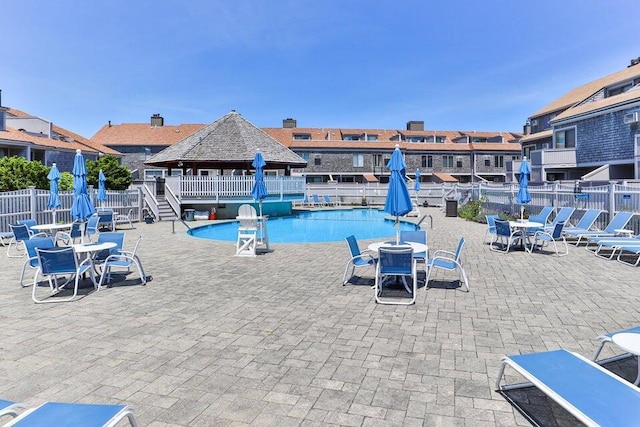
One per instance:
[(619, 221), (60, 262), (563, 215), (29, 223), (30, 246), (122, 259), (74, 235), (396, 261), (8, 407), (545, 238), (106, 219), (358, 259), (21, 233), (92, 227), (505, 236), (491, 227), (448, 261), (416, 236), (76, 415)]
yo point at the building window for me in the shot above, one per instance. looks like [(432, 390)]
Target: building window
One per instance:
[(358, 160), (423, 162), (498, 161), (372, 137), (317, 161), (487, 161), (459, 162), (429, 161), (351, 137), (416, 139), (565, 138), (377, 160), (301, 136), (447, 161), (305, 156), (150, 174)]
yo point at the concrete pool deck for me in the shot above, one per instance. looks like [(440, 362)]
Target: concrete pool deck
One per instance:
[(277, 340)]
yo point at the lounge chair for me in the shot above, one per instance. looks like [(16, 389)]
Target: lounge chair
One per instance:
[(123, 219), (592, 394), (75, 415), (5, 237), (491, 227), (598, 245), (60, 262), (626, 251), (396, 261), (543, 216), (606, 339), (448, 261), (358, 259), (329, 202), (316, 200), (563, 215), (618, 222), (545, 238), (505, 236), (8, 407), (586, 221)]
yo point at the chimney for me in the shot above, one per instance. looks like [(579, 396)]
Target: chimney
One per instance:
[(417, 125), (634, 61), (526, 129), (157, 120), (289, 123)]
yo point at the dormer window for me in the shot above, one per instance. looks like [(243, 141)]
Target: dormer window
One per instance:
[(351, 137), (301, 136), (372, 137)]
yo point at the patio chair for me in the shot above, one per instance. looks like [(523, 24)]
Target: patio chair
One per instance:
[(20, 234), (116, 237), (505, 236), (29, 223), (591, 393), (60, 262), (329, 202), (316, 200), (123, 259), (106, 219), (30, 246), (586, 221), (8, 407), (447, 261), (618, 222), (123, 219), (395, 262), (92, 227), (417, 236), (491, 227), (247, 231), (545, 238), (358, 259), (73, 235), (75, 415)]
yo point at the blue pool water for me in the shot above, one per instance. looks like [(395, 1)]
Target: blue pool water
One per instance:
[(313, 227)]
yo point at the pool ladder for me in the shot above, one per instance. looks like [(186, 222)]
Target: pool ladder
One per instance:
[(425, 217)]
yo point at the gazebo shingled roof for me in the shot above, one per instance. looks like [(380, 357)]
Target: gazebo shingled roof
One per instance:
[(230, 142)]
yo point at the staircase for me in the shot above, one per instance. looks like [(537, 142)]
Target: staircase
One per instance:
[(165, 210)]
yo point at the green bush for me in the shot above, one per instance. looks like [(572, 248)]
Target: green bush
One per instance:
[(17, 173), (471, 210), (118, 177)]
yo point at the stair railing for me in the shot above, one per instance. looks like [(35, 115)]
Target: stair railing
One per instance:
[(171, 198)]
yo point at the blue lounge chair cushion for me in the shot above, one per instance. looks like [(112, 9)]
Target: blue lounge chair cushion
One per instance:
[(588, 391), (72, 415)]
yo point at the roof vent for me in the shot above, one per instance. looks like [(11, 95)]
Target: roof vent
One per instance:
[(157, 120), (635, 61), (416, 125), (289, 123)]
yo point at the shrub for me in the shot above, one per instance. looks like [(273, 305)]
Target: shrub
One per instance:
[(471, 210)]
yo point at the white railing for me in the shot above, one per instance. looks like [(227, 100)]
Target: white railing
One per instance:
[(228, 187)]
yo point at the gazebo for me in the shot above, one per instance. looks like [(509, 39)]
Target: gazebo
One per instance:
[(229, 143)]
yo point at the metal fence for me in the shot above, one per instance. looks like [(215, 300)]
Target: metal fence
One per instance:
[(32, 203)]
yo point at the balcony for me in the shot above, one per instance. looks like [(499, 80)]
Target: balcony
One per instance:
[(554, 158)]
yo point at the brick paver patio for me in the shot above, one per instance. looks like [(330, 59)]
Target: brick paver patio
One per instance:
[(276, 340)]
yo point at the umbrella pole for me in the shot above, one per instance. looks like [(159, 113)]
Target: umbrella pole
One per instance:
[(53, 216), (521, 212), (397, 231)]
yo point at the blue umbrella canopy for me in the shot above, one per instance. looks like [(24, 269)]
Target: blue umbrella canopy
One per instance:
[(82, 207), (102, 187), (398, 201), (259, 190), (523, 195), (416, 184), (54, 198)]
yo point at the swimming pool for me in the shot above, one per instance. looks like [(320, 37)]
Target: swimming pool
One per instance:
[(314, 227)]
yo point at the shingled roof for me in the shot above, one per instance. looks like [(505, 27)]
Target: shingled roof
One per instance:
[(230, 142)]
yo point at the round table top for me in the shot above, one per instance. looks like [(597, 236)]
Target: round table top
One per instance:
[(627, 341), (525, 224), (93, 247), (47, 227), (417, 247)]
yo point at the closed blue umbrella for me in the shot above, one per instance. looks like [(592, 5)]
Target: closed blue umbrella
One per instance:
[(82, 207), (416, 185), (259, 191), (398, 201), (54, 198), (523, 195), (102, 188)]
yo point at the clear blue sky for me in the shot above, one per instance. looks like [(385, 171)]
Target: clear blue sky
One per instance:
[(457, 65)]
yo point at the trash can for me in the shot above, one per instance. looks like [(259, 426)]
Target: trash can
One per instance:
[(451, 207), (189, 214)]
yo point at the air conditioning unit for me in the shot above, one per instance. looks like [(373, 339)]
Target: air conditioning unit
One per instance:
[(534, 122), (631, 118)]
